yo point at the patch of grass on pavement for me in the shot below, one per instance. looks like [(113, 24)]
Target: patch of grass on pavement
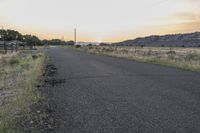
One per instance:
[(19, 76)]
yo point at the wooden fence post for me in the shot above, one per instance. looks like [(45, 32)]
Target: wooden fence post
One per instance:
[(16, 48), (12, 48), (5, 47)]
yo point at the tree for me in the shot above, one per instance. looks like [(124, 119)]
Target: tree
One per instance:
[(2, 33), (9, 35), (32, 40), (70, 43), (36, 40)]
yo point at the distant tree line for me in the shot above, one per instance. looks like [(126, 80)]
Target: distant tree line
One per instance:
[(30, 40), (57, 42)]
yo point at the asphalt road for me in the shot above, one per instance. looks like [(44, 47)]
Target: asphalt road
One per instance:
[(110, 95)]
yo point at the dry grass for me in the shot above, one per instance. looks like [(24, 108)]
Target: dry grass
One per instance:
[(4, 56), (184, 58), (18, 77)]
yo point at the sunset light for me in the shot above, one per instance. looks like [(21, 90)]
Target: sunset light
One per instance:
[(100, 20), (100, 66)]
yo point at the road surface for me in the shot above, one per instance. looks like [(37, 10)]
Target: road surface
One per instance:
[(102, 94)]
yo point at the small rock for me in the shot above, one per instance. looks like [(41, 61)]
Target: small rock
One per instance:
[(50, 127), (31, 122)]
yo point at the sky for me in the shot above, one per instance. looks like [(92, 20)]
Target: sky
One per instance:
[(100, 20)]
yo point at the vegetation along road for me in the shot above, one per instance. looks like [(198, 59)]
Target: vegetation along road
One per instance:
[(93, 93)]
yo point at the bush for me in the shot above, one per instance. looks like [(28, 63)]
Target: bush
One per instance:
[(192, 56), (77, 46), (149, 52), (142, 46), (34, 57), (90, 47), (171, 52), (171, 56), (124, 51), (14, 61), (25, 66)]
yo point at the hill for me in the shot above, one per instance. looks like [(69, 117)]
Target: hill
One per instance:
[(178, 40)]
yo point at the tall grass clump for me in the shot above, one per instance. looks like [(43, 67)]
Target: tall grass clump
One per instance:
[(18, 77), (14, 61)]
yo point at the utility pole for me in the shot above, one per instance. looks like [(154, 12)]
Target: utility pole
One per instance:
[(63, 40), (2, 34), (75, 36)]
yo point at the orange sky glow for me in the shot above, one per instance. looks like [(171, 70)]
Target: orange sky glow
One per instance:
[(100, 20)]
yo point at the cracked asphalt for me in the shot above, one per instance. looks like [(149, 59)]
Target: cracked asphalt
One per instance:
[(109, 95)]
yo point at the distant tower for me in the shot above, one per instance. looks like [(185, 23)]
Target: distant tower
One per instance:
[(75, 36), (63, 38)]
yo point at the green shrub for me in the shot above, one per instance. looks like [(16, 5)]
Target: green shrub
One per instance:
[(171, 56), (171, 52), (149, 52), (124, 51), (25, 66), (107, 50), (14, 61), (34, 57), (77, 46), (192, 56), (90, 47)]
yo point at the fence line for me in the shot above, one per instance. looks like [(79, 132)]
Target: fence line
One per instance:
[(12, 46)]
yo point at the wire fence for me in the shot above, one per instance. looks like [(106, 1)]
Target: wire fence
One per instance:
[(6, 47)]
